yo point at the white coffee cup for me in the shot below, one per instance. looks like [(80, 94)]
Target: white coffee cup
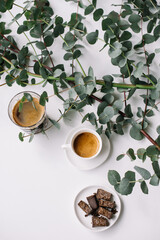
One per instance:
[(74, 136)]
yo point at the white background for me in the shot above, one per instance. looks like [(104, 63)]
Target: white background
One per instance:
[(38, 184)]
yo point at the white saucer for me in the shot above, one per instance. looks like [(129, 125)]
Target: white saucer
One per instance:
[(87, 164), (87, 221)]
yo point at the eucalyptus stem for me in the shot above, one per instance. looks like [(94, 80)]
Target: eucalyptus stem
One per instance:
[(81, 67), (150, 139), (99, 82), (76, 58)]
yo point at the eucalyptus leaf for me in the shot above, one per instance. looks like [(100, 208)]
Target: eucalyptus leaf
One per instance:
[(113, 177), (143, 172), (144, 187)]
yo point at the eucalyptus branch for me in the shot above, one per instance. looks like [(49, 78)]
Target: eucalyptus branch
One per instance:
[(27, 39)]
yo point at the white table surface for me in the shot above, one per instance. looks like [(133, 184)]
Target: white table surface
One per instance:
[(38, 184)]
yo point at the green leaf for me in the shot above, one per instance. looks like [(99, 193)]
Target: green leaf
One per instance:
[(94, 2), (152, 150), (131, 154), (114, 16), (89, 9), (139, 70), (43, 72), (141, 153), (55, 88), (36, 31), (55, 123), (113, 177), (120, 157), (59, 20), (68, 56), (28, 97), (76, 54), (134, 18), (150, 26), (22, 29), (9, 4), (118, 104), (22, 55), (92, 118), (106, 115), (40, 45), (21, 135), (156, 168), (58, 30), (123, 24), (98, 14), (92, 37), (128, 111), (157, 50), (31, 137), (154, 180), (48, 41), (115, 50), (43, 98), (144, 187), (150, 58), (85, 117), (148, 38), (125, 36), (106, 37), (157, 32), (135, 27), (125, 187), (20, 106), (108, 79), (100, 130), (131, 177), (143, 172), (101, 107), (158, 129)]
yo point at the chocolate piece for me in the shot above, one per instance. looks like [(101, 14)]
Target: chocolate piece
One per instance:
[(84, 206), (105, 212), (104, 203), (92, 201), (101, 194), (113, 210), (99, 222)]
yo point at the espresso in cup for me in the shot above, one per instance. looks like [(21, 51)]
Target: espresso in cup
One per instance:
[(30, 114), (31, 118), (86, 145)]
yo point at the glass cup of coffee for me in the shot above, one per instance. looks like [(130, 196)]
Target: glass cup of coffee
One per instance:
[(85, 143), (32, 116)]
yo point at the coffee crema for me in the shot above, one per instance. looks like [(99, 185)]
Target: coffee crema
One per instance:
[(86, 145), (29, 115)]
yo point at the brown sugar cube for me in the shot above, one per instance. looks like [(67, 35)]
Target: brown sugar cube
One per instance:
[(102, 194), (84, 206), (104, 203), (99, 222), (104, 212)]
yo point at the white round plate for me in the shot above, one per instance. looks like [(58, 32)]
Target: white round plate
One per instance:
[(89, 163), (87, 221)]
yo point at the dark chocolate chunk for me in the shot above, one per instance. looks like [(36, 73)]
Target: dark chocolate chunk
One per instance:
[(104, 212), (114, 211), (84, 206), (92, 201), (105, 203), (99, 222), (102, 194)]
